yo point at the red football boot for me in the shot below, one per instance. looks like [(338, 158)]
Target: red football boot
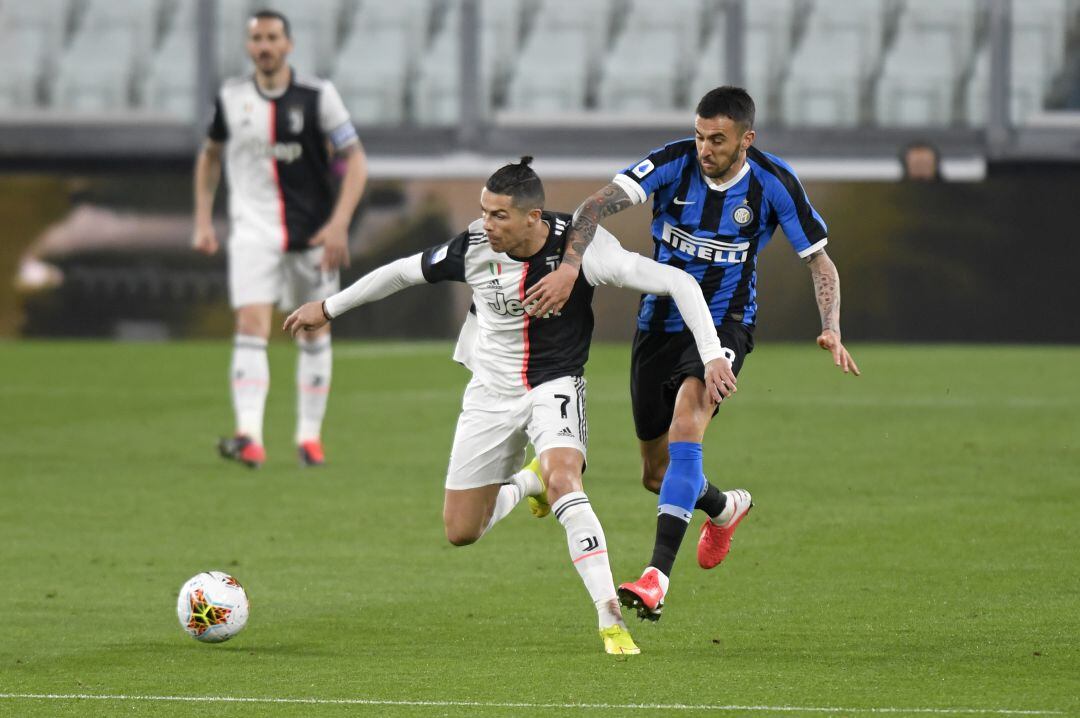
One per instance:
[(311, 453), (715, 540), (243, 449), (645, 595)]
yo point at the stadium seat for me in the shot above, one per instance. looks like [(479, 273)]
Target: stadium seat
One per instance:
[(372, 74), (955, 19), (918, 80), (1029, 79), (96, 73), (437, 91), (406, 19), (682, 19), (550, 75), (823, 86), (710, 69), (633, 80), (170, 83), (231, 37), (40, 23), (140, 19), (23, 56)]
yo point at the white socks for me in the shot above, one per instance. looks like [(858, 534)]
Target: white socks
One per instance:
[(523, 483), (588, 552), (250, 374), (313, 368), (729, 510)]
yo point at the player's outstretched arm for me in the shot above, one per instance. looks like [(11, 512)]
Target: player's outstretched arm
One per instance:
[(207, 177), (551, 292), (608, 263), (371, 287), (827, 294)]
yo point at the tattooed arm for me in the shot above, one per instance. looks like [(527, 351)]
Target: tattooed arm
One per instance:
[(551, 292), (827, 294)]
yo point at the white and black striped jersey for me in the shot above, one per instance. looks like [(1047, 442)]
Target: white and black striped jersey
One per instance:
[(276, 161), (506, 349)]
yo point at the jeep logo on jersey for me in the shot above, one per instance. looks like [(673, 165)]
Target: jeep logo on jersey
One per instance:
[(502, 305), (281, 151), (296, 119), (552, 263)]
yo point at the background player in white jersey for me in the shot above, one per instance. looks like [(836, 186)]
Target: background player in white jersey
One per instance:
[(527, 384), (288, 236)]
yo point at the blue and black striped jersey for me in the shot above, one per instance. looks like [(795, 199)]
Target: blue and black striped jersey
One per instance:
[(715, 231)]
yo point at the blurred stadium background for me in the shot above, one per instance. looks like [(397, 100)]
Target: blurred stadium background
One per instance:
[(103, 104)]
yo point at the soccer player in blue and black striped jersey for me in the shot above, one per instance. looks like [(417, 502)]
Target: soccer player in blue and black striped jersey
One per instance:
[(717, 200)]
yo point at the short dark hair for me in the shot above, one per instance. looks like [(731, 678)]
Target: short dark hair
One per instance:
[(729, 101), (267, 14), (519, 182)]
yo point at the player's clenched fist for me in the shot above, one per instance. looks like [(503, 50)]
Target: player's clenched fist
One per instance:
[(205, 240), (307, 318)]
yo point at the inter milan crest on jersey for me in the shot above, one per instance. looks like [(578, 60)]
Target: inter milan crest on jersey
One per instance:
[(296, 119), (743, 215)]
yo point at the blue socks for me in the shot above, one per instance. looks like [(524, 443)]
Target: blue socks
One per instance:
[(683, 481), (683, 484)]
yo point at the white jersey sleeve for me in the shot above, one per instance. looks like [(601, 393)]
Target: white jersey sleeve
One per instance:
[(606, 262), (334, 120), (377, 284)]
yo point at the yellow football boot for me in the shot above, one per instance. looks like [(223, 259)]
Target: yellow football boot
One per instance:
[(617, 641), (538, 504)]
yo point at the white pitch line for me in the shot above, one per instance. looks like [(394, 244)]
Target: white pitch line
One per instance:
[(552, 706)]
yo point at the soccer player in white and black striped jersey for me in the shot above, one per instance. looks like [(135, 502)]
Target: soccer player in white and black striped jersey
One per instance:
[(288, 235), (527, 384)]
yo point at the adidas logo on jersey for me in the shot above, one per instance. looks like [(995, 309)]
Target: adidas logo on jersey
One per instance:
[(493, 284), (566, 432)]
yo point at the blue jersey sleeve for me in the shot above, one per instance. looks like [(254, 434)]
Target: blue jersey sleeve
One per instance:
[(662, 167), (802, 224)]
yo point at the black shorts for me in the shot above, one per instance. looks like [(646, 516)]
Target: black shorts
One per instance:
[(660, 361)]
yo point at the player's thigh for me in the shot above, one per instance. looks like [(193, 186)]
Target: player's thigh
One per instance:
[(255, 270), (653, 361), (490, 439), (557, 417), (305, 280)]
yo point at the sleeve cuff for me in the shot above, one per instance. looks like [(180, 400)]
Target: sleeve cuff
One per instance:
[(632, 188), (813, 248)]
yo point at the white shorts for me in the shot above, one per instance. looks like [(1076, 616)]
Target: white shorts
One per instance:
[(261, 273), (493, 429)]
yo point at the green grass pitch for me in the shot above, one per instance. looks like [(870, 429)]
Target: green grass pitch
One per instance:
[(915, 545)]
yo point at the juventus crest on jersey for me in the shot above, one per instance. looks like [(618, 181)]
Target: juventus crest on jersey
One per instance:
[(277, 163), (505, 347)]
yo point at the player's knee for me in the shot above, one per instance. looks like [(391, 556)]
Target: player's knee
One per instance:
[(686, 427), (652, 480), (562, 482), (461, 536)]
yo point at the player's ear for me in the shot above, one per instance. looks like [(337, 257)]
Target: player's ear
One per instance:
[(534, 215), (748, 139)]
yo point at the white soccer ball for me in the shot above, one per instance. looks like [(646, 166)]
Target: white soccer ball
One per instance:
[(212, 607)]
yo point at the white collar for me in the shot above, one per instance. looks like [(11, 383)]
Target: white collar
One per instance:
[(725, 186)]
